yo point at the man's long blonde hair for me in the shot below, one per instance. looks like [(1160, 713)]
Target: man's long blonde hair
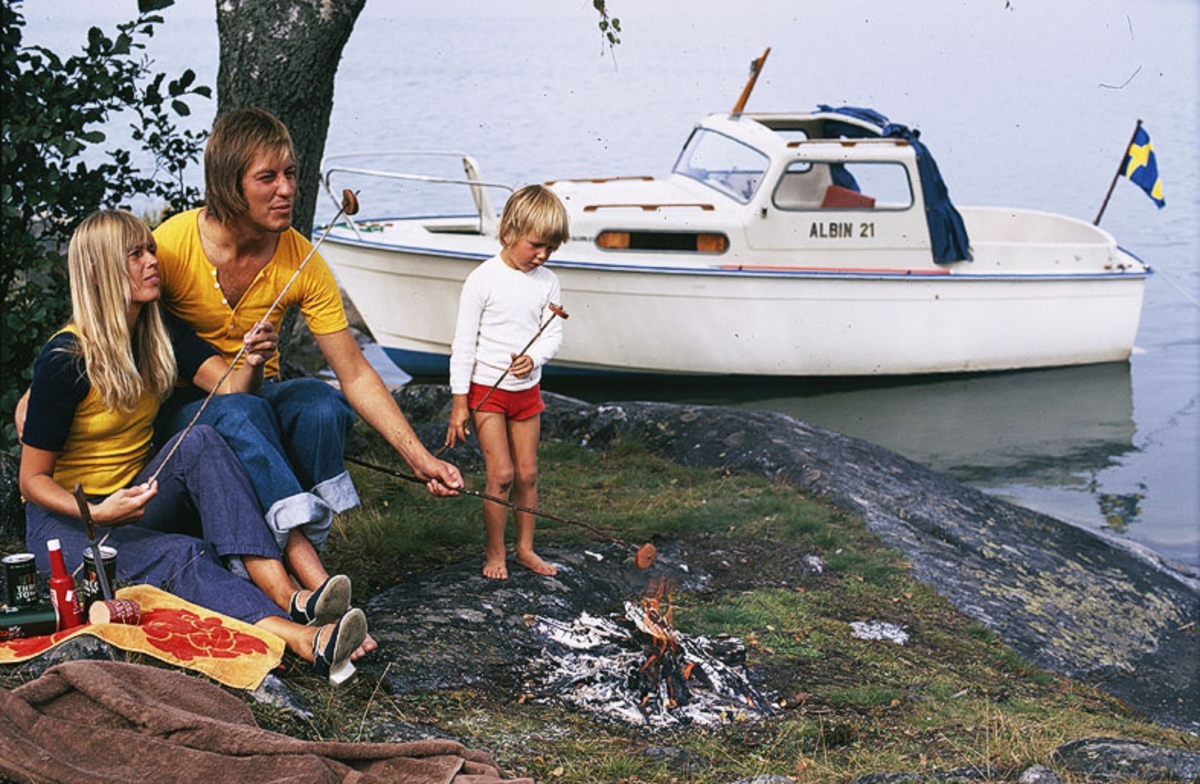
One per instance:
[(121, 366), (237, 136)]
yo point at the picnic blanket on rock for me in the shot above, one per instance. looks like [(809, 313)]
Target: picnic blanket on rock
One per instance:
[(172, 630), (92, 721)]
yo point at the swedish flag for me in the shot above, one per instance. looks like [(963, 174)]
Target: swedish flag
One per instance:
[(1141, 167)]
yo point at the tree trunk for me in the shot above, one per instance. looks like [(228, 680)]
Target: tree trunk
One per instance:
[(282, 56)]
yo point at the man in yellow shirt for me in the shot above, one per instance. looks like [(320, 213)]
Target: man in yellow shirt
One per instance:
[(221, 267)]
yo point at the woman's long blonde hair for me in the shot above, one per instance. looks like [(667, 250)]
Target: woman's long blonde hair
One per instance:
[(121, 366)]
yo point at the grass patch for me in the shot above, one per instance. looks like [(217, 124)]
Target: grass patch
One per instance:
[(952, 696)]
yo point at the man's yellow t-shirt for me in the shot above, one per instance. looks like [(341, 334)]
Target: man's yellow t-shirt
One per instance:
[(190, 289)]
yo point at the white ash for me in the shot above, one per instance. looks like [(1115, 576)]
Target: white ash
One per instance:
[(879, 630), (592, 663)]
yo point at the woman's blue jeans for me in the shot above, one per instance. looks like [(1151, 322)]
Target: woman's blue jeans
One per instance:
[(203, 518)]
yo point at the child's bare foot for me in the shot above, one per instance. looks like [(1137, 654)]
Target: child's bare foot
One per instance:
[(368, 645), (495, 569), (535, 564)]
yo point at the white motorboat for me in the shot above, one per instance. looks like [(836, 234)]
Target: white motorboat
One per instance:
[(820, 243)]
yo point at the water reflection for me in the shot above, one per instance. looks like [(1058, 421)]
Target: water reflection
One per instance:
[(1041, 428), (1120, 510)]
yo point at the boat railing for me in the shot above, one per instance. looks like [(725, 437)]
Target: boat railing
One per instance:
[(473, 181)]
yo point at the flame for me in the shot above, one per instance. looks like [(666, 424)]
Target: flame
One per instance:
[(658, 615), (664, 669)]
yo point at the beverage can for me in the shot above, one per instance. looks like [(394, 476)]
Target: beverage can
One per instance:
[(89, 588), (19, 622), (20, 576)]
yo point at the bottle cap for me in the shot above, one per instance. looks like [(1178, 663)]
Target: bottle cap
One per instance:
[(53, 544)]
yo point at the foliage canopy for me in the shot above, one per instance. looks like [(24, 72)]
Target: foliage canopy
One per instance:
[(57, 168)]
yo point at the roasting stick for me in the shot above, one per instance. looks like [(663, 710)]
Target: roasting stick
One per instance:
[(349, 207), (645, 555), (85, 514), (555, 310)]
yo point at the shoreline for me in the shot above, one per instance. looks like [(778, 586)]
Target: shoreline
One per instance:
[(1088, 608), (1062, 597)]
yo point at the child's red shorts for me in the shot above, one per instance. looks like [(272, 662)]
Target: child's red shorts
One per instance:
[(514, 405)]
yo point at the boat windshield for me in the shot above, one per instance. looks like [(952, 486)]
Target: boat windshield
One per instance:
[(729, 166)]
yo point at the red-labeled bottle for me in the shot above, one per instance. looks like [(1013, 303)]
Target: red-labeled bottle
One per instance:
[(62, 589)]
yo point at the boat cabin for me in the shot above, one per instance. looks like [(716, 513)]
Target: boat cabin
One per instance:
[(818, 187)]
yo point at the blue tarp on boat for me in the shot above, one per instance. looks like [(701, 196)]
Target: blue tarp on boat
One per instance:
[(947, 233)]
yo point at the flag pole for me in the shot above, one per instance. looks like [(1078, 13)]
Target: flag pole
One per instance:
[(1117, 176)]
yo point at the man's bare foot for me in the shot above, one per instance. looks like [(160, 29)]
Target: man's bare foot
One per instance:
[(368, 645), (535, 564), (495, 570)]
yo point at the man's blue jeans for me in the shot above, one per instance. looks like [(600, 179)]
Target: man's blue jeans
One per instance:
[(291, 439)]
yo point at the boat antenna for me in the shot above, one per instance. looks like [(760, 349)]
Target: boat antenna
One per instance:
[(755, 69)]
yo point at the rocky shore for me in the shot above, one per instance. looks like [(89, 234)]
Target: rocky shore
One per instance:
[(1097, 610), (1063, 598), (1066, 600)]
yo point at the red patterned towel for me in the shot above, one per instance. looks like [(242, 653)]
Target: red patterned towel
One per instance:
[(177, 632)]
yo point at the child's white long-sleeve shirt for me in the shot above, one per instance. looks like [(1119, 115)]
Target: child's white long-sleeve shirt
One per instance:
[(499, 310)]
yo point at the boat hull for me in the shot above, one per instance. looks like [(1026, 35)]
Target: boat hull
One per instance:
[(766, 322)]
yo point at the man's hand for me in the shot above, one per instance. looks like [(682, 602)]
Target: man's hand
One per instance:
[(441, 478), (261, 344)]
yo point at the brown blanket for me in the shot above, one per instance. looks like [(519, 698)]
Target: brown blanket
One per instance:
[(93, 721)]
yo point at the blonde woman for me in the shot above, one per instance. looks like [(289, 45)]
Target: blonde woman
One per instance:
[(97, 388)]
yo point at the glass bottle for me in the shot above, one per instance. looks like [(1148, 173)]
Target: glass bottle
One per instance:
[(62, 589)]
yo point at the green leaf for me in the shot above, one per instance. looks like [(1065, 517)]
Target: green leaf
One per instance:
[(53, 111), (149, 6)]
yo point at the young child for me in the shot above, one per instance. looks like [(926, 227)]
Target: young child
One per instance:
[(505, 301)]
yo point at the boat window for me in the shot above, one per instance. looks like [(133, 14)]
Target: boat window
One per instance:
[(679, 241), (792, 135), (729, 166), (874, 185)]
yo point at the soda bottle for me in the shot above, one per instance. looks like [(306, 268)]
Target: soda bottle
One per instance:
[(62, 589)]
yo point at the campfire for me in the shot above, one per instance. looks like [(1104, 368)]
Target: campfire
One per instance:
[(636, 668)]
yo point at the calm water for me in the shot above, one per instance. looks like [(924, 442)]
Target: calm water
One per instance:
[(1028, 107)]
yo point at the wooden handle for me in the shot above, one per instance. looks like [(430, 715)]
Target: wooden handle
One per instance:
[(85, 514)]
